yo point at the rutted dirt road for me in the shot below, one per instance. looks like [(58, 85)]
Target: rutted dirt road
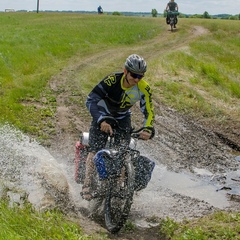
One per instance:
[(193, 159)]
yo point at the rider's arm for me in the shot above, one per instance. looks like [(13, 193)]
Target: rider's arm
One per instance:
[(95, 96), (146, 105), (91, 104), (167, 7), (96, 100)]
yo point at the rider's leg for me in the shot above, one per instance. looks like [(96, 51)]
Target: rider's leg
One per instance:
[(175, 21), (86, 188), (167, 19), (97, 141)]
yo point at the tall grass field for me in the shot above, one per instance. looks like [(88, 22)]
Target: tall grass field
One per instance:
[(193, 74)]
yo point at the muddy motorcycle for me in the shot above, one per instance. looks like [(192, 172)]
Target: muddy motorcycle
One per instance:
[(172, 19), (120, 170)]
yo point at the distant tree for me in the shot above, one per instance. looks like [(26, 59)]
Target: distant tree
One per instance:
[(239, 16), (206, 15), (196, 16), (116, 13), (154, 13), (233, 17), (181, 15)]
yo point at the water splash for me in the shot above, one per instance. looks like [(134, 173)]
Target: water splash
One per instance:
[(27, 166)]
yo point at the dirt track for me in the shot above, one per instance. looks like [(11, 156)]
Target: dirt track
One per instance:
[(184, 150)]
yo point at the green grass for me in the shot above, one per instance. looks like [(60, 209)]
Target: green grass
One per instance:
[(203, 76), (33, 47), (25, 223), (220, 225)]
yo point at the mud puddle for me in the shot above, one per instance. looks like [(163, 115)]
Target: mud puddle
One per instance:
[(168, 191), (192, 186), (238, 158), (203, 185)]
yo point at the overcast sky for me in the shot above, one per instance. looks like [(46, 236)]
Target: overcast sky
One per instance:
[(185, 6)]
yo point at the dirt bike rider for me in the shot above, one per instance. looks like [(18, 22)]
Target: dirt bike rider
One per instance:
[(172, 7), (114, 96)]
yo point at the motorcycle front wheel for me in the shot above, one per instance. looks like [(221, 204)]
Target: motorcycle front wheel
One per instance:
[(119, 198)]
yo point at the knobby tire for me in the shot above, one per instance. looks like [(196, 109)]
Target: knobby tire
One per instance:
[(119, 199), (171, 24)]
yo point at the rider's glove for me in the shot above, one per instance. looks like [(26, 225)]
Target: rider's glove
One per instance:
[(150, 130)]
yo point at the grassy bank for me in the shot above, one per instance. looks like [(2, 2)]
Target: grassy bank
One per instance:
[(220, 225), (25, 223)]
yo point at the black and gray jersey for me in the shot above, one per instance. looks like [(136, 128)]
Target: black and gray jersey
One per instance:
[(110, 98)]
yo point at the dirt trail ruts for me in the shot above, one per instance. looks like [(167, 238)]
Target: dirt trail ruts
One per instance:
[(180, 144), (68, 117)]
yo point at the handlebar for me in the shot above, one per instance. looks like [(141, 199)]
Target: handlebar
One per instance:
[(135, 133), (115, 124), (172, 12)]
